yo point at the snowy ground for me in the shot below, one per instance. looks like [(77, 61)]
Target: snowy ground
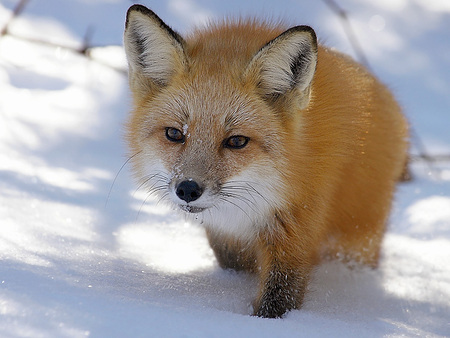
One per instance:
[(77, 261)]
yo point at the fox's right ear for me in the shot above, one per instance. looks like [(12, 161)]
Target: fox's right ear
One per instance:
[(286, 65), (154, 51)]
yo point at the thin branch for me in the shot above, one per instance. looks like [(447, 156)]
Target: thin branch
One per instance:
[(423, 155), (430, 158), (86, 40), (17, 11), (349, 31), (85, 49)]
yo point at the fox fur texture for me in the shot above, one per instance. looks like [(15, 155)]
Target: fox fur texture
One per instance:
[(287, 152)]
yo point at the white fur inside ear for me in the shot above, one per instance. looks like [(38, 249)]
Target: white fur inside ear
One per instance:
[(286, 62), (151, 49)]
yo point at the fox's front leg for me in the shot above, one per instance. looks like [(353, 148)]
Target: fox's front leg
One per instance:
[(286, 266), (232, 253)]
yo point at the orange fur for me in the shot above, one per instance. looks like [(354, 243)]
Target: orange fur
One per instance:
[(329, 170)]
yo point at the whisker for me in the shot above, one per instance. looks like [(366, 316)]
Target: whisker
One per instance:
[(249, 186), (250, 194), (157, 183), (150, 193), (154, 184), (237, 206), (256, 191), (117, 175), (163, 197), (144, 182), (251, 204), (161, 178), (140, 208)]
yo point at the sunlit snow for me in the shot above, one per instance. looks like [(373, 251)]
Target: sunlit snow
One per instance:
[(85, 254)]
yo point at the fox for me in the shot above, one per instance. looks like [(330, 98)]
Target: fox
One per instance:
[(287, 152)]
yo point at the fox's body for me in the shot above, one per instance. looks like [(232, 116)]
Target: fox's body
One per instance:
[(284, 150)]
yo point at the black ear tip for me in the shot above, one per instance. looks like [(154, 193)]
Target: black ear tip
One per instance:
[(141, 9), (306, 29), (149, 13), (302, 29)]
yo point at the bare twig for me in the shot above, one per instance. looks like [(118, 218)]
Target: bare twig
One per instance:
[(19, 8), (85, 49), (87, 39), (430, 158), (349, 31)]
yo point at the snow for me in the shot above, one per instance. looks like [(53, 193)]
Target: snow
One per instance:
[(78, 259)]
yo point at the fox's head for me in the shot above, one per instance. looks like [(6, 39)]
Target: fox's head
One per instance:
[(213, 113)]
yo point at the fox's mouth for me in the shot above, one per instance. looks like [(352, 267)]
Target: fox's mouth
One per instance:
[(191, 209)]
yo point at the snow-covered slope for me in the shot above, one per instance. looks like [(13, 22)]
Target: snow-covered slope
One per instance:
[(77, 259)]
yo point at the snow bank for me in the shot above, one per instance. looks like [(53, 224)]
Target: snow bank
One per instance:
[(78, 261)]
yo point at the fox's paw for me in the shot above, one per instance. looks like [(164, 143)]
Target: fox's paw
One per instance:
[(276, 300)]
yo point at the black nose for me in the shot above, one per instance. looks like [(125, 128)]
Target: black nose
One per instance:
[(189, 191)]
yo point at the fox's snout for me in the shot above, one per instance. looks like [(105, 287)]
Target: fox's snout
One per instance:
[(186, 195), (188, 190)]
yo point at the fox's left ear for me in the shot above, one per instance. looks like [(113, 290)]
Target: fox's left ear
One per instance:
[(286, 65), (154, 51)]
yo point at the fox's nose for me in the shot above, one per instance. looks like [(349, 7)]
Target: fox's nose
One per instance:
[(188, 191)]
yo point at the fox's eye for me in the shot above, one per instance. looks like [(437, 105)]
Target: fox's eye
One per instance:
[(174, 135), (236, 142)]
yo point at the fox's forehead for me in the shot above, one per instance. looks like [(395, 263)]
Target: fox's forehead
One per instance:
[(230, 43), (211, 101)]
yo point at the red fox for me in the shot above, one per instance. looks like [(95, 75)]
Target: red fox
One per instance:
[(287, 152)]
